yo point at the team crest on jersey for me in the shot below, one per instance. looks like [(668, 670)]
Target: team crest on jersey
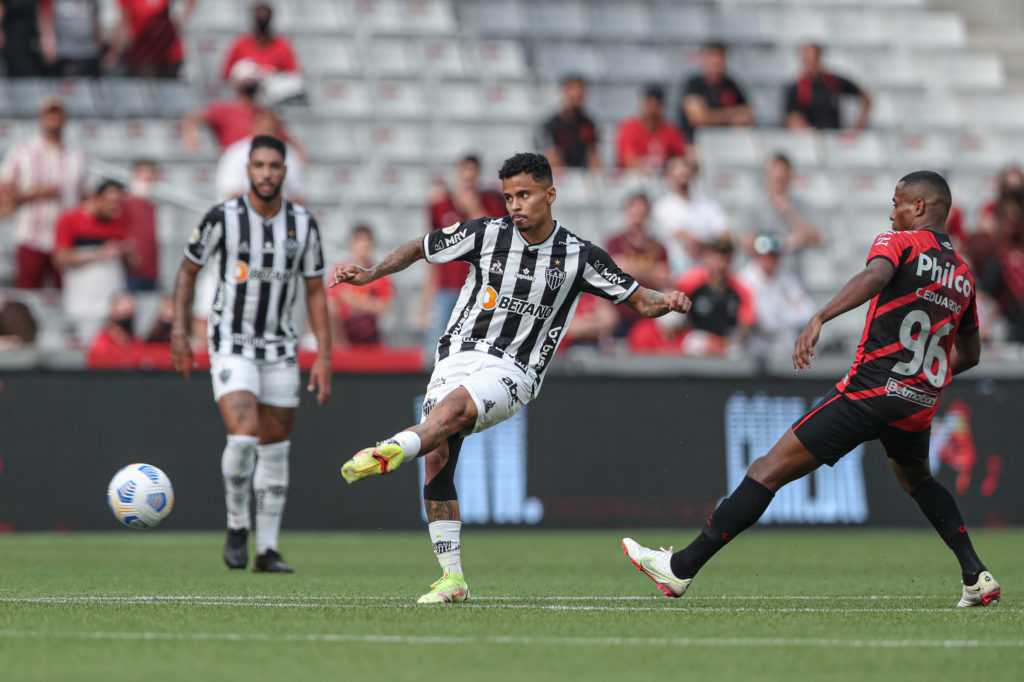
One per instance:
[(555, 278), (451, 228), (291, 247), (194, 237)]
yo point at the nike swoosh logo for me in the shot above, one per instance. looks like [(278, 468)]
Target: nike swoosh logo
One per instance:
[(648, 565)]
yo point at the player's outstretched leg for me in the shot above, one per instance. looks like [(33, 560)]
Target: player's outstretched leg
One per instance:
[(787, 461), (442, 505), (939, 507), (455, 414)]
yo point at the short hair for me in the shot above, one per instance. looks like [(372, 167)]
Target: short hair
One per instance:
[(715, 45), (654, 90), (139, 163), (470, 158), (267, 141), (781, 158), (637, 196), (932, 182), (361, 230), (107, 184), (573, 78), (536, 165)]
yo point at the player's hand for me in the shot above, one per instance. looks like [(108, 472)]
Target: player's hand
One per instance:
[(803, 350), (320, 377), (350, 273), (678, 301), (182, 359)]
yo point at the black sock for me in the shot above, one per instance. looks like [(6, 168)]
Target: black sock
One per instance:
[(736, 513), (940, 509)]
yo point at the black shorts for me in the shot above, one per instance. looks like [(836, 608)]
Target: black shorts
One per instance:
[(837, 425)]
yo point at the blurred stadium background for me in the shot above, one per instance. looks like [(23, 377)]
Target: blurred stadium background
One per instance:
[(398, 90)]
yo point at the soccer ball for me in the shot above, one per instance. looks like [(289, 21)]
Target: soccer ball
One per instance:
[(140, 495)]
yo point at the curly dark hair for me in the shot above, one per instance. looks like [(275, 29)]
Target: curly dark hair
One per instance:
[(527, 162)]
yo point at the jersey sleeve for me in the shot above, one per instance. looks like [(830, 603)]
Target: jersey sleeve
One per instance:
[(65, 236), (847, 86), (888, 245), (969, 320), (313, 257), (206, 238), (602, 277), (460, 241)]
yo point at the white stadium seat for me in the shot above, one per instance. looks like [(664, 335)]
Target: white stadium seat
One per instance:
[(340, 97), (399, 100), (501, 59)]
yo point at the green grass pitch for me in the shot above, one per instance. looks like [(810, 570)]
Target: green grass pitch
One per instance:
[(774, 605)]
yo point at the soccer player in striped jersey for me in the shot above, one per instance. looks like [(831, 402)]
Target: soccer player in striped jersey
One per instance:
[(269, 252), (921, 329), (526, 276)]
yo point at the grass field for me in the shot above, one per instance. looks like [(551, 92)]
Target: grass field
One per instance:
[(775, 605)]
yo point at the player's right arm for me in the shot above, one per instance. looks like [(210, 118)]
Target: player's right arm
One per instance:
[(398, 259), (182, 359), (861, 288)]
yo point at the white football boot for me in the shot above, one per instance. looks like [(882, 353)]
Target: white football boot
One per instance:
[(985, 592), (656, 565)]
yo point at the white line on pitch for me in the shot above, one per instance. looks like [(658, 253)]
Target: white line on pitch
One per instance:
[(519, 640), (340, 598)]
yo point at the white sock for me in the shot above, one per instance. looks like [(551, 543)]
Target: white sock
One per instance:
[(445, 536), (409, 442), (237, 464), (270, 484)]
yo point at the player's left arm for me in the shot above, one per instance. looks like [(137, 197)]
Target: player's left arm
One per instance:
[(320, 372), (651, 303), (861, 288), (966, 352)]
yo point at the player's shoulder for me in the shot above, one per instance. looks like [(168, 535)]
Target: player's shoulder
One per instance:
[(297, 210), (483, 224), (565, 237)]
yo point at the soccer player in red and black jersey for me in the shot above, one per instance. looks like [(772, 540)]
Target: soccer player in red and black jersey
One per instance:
[(921, 329)]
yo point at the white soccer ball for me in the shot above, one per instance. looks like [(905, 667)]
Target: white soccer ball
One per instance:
[(140, 495)]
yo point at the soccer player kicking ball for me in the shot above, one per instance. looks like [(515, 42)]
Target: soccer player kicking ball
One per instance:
[(921, 329), (527, 275)]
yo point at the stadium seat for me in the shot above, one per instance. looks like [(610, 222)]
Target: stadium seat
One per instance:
[(428, 17), (864, 189), (26, 94), (934, 30), (298, 18), (559, 19), (400, 185), (792, 27), (980, 151), (734, 189), (327, 56), (935, 110), (169, 98), (441, 57), (501, 59), (682, 22), (397, 143), (1002, 112), (768, 105), (619, 21), (850, 149), (445, 144), (555, 60), (722, 147), (736, 28), (575, 189), (379, 16), (229, 16), (892, 70), (332, 142), (509, 102), (632, 63), (340, 98), (763, 66), (335, 182), (458, 101), (816, 188), (611, 103), (920, 149), (504, 18), (856, 27), (399, 100), (389, 57), (802, 147), (205, 53), (965, 71)]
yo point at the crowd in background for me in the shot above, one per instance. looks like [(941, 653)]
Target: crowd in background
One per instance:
[(97, 244)]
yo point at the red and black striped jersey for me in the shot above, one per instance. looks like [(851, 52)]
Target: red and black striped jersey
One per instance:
[(902, 363)]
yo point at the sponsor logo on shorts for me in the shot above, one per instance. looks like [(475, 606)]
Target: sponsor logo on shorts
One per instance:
[(224, 375), (911, 394), (436, 383), (488, 406), (512, 389), (428, 405)]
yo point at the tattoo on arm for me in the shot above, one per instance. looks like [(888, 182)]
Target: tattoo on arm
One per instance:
[(648, 302), (184, 291), (441, 510), (399, 258)]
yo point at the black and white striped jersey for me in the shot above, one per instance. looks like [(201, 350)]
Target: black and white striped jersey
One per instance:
[(262, 266), (519, 298)]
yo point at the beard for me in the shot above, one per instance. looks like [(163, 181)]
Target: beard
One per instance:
[(265, 197)]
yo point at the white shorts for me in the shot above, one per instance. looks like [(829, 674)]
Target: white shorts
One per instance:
[(498, 388), (273, 382)]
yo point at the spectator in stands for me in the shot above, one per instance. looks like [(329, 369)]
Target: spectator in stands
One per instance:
[(782, 215), (232, 178), (117, 335), (17, 326), (647, 141), (781, 304), (19, 38), (1000, 282), (570, 136), (592, 326), (639, 254), (70, 36), (466, 200), (138, 214), (38, 179), (683, 220), (271, 54), (92, 248), (813, 100), (229, 120), (712, 97), (1003, 217), (152, 36), (723, 310), (160, 332), (357, 309)]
